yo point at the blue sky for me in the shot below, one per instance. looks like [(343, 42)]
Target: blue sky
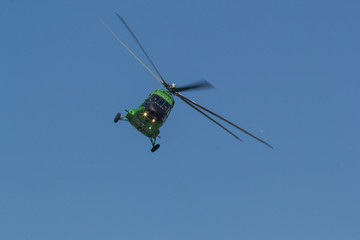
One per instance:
[(287, 71)]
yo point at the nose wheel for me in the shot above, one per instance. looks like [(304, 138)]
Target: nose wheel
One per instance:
[(155, 146)]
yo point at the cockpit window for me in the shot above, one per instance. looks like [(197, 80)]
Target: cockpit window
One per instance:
[(155, 98), (162, 103)]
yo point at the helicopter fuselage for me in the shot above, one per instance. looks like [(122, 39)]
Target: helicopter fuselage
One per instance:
[(152, 113)]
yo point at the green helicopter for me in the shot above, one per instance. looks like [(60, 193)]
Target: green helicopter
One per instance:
[(155, 109)]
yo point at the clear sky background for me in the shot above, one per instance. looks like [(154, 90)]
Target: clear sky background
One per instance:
[(287, 71)]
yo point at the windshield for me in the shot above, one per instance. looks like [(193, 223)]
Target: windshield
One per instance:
[(160, 102)]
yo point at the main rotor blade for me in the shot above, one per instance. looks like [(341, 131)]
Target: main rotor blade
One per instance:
[(209, 111), (196, 85), (138, 42), (127, 48), (191, 105)]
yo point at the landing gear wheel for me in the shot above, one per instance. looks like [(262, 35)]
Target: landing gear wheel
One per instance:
[(156, 147), (117, 117)]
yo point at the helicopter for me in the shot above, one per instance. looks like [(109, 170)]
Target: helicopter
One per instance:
[(152, 113)]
